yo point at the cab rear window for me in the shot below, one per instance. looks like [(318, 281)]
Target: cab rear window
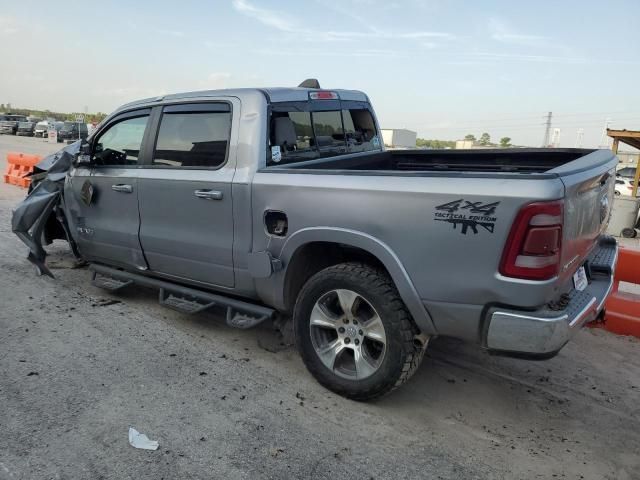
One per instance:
[(298, 133)]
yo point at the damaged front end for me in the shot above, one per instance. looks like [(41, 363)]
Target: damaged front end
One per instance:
[(40, 217)]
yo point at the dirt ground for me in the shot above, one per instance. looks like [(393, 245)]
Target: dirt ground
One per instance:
[(78, 366)]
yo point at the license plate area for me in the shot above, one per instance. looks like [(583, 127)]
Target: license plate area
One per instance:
[(580, 281)]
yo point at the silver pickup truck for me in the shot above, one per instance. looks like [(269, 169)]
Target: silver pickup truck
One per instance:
[(283, 202)]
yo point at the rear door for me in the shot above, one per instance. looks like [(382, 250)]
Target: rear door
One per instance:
[(104, 197), (186, 208)]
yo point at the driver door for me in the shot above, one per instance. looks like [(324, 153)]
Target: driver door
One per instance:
[(105, 194)]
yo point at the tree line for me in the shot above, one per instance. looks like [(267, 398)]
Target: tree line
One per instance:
[(484, 140), (45, 114)]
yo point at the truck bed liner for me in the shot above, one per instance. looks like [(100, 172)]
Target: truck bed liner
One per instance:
[(520, 160)]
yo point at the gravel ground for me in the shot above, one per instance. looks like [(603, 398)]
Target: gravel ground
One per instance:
[(78, 366)]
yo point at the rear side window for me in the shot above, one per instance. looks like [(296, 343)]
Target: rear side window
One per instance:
[(197, 139), (302, 135)]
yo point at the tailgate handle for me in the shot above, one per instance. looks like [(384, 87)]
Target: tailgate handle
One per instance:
[(122, 187), (208, 194), (604, 178)]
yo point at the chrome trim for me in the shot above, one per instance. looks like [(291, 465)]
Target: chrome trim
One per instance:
[(537, 333)]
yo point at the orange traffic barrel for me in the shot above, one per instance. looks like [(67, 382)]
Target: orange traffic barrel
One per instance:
[(622, 308)]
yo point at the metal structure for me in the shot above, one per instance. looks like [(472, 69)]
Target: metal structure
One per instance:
[(631, 138), (547, 130)]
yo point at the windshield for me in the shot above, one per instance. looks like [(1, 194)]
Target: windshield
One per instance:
[(24, 125), (68, 126)]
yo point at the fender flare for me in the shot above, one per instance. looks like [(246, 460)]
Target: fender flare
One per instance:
[(369, 244)]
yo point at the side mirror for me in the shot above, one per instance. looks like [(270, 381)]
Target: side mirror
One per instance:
[(84, 155)]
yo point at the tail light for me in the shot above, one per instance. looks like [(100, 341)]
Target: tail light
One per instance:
[(533, 247)]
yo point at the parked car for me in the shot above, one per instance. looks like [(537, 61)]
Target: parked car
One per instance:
[(73, 131), (10, 124), (276, 203), (41, 129), (624, 186), (626, 172), (26, 129)]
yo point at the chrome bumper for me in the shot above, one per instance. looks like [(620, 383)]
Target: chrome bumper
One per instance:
[(544, 332)]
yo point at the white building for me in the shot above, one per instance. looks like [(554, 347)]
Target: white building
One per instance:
[(464, 144), (399, 138)]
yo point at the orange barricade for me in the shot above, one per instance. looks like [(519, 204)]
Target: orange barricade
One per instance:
[(19, 165), (622, 309)]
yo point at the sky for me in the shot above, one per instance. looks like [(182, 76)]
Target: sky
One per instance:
[(443, 68)]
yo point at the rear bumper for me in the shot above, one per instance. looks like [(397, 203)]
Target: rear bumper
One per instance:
[(542, 333)]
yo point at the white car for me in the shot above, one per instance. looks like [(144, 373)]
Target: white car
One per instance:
[(624, 186)]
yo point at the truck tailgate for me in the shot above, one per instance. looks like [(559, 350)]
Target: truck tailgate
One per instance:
[(589, 191)]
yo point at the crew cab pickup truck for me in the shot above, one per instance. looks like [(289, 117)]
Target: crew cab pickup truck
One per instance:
[(283, 202), (9, 123)]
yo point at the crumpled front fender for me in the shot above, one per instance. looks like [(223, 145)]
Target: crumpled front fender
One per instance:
[(46, 195)]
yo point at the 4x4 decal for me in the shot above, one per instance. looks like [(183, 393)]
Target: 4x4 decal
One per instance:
[(469, 215)]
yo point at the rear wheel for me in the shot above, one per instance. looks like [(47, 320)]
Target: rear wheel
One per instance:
[(354, 333)]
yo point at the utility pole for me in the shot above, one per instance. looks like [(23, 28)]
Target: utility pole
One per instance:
[(555, 140), (547, 130), (604, 139), (579, 137)]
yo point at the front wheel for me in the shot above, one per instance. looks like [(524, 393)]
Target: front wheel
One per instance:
[(354, 332)]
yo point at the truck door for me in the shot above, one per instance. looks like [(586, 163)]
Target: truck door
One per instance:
[(104, 196), (186, 213)]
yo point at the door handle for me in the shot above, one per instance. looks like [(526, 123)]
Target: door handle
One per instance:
[(122, 187), (208, 194)]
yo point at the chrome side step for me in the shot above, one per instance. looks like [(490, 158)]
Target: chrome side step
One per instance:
[(239, 314)]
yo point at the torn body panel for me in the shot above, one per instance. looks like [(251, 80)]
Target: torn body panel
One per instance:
[(40, 216)]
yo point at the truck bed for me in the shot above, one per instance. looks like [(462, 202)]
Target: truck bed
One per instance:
[(512, 160)]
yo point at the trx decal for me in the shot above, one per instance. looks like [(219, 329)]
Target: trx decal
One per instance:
[(469, 215)]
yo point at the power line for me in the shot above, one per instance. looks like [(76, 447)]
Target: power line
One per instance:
[(621, 113), (572, 124)]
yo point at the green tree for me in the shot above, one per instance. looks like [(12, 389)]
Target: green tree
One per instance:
[(471, 137), (505, 142), (435, 144), (485, 139)]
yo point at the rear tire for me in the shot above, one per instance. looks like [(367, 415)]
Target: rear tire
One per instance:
[(629, 233), (354, 332)]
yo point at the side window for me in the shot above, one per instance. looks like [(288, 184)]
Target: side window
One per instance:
[(193, 139), (120, 144), (329, 133), (360, 130)]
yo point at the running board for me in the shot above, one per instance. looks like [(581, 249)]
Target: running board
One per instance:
[(109, 283), (239, 314)]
